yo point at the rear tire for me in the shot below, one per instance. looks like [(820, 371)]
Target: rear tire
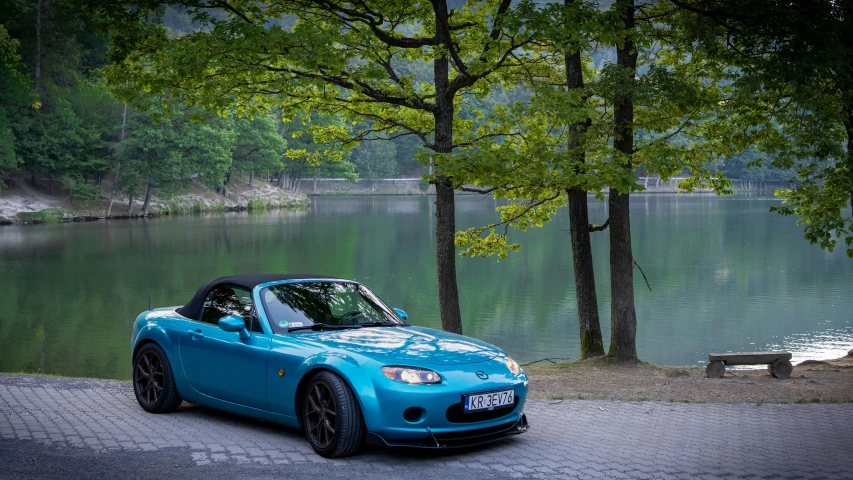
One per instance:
[(331, 416), (153, 380)]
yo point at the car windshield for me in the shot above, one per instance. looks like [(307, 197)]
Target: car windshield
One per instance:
[(302, 304)]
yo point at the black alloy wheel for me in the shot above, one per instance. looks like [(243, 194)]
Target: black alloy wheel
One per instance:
[(320, 415), (153, 382), (331, 416)]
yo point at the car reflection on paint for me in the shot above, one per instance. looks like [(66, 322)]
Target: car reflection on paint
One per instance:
[(328, 356)]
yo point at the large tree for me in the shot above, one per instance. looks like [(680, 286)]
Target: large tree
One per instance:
[(258, 147), (361, 60), (544, 150), (623, 316), (578, 133), (166, 154)]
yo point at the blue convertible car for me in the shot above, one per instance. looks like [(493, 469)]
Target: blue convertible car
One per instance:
[(328, 356)]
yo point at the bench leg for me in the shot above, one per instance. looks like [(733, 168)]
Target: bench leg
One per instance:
[(715, 369), (780, 368)]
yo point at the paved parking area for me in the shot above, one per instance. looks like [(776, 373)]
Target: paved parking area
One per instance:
[(60, 427)]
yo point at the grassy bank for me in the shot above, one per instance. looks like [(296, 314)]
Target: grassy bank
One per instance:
[(602, 379)]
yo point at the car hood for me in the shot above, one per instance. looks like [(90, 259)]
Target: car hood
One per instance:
[(403, 345)]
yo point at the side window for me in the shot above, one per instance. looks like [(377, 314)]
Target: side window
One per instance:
[(226, 300)]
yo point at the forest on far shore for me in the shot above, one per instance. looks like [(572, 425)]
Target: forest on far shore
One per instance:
[(59, 123)]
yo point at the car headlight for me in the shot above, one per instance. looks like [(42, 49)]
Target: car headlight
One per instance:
[(411, 375), (512, 365)]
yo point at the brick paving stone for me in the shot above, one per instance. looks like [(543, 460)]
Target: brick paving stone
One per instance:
[(641, 440)]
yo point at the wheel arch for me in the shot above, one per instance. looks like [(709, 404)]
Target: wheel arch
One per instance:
[(165, 338), (306, 378), (142, 343), (157, 334)]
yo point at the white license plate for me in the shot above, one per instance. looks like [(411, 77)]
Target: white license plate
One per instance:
[(488, 401)]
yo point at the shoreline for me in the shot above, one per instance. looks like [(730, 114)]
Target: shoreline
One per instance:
[(70, 218), (23, 204), (829, 381), (812, 381)]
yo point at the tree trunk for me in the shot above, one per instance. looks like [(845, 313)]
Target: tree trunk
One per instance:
[(118, 165), (146, 206), (251, 179), (445, 202), (314, 188), (227, 181), (591, 342), (848, 124), (623, 316), (38, 43), (130, 204)]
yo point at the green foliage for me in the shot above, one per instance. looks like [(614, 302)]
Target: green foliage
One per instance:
[(166, 154), (369, 65), (64, 125), (315, 147), (258, 145), (376, 159), (64, 130), (16, 94), (48, 215), (79, 190), (258, 204), (788, 84), (535, 149)]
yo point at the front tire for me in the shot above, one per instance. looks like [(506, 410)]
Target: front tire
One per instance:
[(331, 416), (153, 380)]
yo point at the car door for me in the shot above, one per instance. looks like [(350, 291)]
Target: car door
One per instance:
[(220, 364)]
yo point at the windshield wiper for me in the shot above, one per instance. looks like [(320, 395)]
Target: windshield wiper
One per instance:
[(322, 326), (380, 324)]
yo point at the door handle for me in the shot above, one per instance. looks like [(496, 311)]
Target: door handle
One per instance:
[(195, 333)]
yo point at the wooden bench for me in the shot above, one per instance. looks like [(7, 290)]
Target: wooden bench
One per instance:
[(778, 363)]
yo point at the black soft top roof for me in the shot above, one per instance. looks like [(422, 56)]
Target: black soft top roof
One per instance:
[(193, 308)]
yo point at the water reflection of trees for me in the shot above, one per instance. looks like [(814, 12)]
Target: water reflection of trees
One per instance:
[(85, 283)]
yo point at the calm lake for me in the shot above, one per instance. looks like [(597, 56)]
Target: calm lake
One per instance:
[(725, 275)]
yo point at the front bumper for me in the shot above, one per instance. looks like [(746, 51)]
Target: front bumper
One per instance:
[(457, 439)]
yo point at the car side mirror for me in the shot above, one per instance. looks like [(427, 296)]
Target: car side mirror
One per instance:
[(233, 323), (401, 314)]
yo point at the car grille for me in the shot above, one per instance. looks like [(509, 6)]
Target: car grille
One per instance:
[(455, 414)]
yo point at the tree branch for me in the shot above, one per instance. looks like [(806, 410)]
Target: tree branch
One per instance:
[(373, 20), (642, 272), (478, 190), (598, 228)]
